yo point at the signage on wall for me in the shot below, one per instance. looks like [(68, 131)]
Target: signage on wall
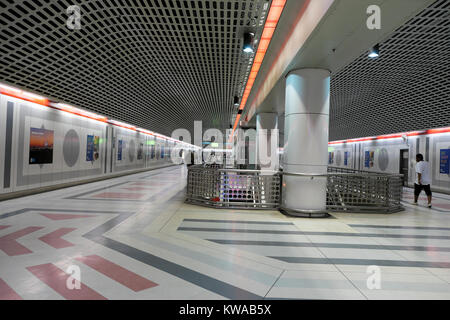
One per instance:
[(345, 158), (140, 153), (92, 148), (119, 150), (367, 159), (372, 157), (152, 152), (41, 146), (444, 164)]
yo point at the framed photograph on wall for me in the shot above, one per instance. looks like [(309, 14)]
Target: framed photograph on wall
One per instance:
[(41, 146)]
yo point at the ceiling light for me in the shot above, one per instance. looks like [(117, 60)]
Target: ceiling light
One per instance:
[(375, 51), (249, 38)]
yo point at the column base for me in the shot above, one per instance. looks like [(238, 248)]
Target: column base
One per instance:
[(305, 213)]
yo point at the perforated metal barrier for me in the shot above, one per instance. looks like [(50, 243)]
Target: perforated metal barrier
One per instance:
[(347, 190), (233, 188), (363, 191)]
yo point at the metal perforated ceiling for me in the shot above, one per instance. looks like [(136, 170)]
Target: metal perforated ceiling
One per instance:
[(407, 88), (161, 64), (156, 64)]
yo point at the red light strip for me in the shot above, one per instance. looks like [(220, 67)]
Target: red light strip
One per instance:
[(27, 96), (78, 112), (395, 135), (284, 56), (440, 130), (145, 131), (122, 125), (269, 28), (20, 94)]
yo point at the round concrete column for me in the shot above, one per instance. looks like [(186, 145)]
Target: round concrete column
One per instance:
[(306, 142), (265, 122)]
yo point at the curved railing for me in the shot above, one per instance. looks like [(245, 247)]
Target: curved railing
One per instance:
[(233, 188), (348, 190)]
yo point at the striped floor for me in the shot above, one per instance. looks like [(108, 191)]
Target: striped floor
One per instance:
[(134, 237)]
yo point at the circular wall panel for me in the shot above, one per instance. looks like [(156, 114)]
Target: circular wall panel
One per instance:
[(383, 159), (71, 147), (338, 158), (131, 150)]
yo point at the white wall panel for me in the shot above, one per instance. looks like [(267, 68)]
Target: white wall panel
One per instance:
[(69, 162), (3, 101), (389, 149)]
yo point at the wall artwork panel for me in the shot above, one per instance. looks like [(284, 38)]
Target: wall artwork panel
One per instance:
[(444, 167), (41, 146), (92, 148), (71, 148)]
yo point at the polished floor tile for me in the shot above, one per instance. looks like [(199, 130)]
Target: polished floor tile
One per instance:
[(134, 237)]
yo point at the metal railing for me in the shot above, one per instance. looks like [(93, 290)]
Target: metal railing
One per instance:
[(363, 191), (233, 188), (348, 190)]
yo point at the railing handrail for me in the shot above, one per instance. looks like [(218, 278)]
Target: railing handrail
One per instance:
[(340, 174), (347, 189), (272, 172), (351, 170), (237, 170)]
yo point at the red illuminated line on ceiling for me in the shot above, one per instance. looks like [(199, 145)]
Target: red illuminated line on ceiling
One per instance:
[(394, 136), (31, 97), (440, 130), (20, 94), (122, 125), (78, 112), (146, 131), (269, 28), (299, 16)]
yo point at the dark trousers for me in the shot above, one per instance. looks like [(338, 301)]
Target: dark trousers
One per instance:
[(419, 187)]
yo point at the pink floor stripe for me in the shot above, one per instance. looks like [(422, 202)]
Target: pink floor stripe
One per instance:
[(4, 227), (119, 195), (138, 189), (6, 293), (56, 279), (11, 247), (145, 184), (62, 216), (54, 238), (125, 277), (441, 205)]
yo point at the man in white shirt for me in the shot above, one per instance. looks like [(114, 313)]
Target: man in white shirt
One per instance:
[(423, 179)]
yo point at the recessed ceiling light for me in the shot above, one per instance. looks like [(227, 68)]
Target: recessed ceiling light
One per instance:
[(375, 51), (249, 38)]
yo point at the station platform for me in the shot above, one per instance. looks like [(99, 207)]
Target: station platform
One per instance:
[(134, 237)]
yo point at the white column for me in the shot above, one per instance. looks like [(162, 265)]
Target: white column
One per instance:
[(265, 123), (306, 141)]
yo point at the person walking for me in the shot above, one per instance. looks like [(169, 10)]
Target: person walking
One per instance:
[(423, 179)]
